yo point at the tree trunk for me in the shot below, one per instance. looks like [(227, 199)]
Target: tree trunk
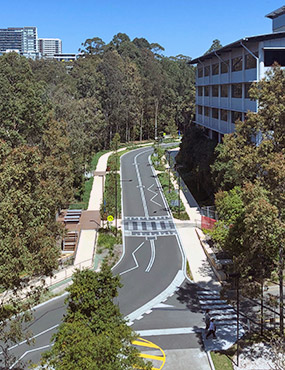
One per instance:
[(155, 118), (261, 310), (281, 296), (141, 127)]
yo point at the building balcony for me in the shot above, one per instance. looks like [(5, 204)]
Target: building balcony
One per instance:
[(250, 105)]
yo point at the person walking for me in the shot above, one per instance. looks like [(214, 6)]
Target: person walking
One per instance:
[(212, 329), (207, 319)]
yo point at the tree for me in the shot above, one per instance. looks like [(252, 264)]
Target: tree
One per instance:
[(216, 45), (253, 158), (93, 334), (23, 103), (94, 46)]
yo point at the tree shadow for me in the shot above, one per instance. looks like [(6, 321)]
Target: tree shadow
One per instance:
[(187, 294)]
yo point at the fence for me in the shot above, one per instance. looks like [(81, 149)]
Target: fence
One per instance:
[(66, 273), (208, 217)]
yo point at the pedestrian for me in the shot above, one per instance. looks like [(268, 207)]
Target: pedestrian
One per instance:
[(212, 329), (207, 319)]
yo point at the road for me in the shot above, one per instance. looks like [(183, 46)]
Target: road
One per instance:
[(156, 297)]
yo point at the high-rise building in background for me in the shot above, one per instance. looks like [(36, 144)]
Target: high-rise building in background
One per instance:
[(48, 47), (23, 40)]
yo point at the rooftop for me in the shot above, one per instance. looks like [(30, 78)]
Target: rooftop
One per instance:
[(237, 44), (276, 13)]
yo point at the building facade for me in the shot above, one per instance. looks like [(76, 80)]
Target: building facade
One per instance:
[(20, 39), (48, 47), (224, 77)]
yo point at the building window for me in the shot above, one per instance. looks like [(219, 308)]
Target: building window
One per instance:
[(274, 55), (250, 62), (215, 113), (237, 91), (237, 64), (200, 110), (206, 91), (200, 72), (236, 116), (215, 90), (200, 91), (247, 87), (224, 91), (215, 69), (224, 115), (225, 67), (206, 111), (207, 71)]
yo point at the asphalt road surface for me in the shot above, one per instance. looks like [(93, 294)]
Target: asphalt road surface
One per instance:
[(156, 297)]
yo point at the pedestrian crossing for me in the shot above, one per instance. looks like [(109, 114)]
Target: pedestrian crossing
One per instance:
[(144, 226), (220, 310)]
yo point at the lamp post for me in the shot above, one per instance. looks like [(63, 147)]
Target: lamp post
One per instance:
[(168, 171), (103, 200), (236, 276), (281, 295)]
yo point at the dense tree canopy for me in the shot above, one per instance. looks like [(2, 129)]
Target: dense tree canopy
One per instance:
[(250, 171), (53, 117), (93, 334)]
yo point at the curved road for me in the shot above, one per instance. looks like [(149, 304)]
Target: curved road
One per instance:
[(153, 254), (153, 263)]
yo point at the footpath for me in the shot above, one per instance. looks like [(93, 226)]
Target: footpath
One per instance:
[(202, 272), (258, 356)]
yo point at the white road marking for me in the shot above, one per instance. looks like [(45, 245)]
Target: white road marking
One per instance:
[(176, 282), (171, 331), (134, 257), (163, 305), (27, 352), (141, 185), (155, 195), (152, 257), (34, 337)]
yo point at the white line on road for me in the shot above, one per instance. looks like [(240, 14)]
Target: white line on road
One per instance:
[(152, 257), (27, 352), (177, 281), (134, 257), (171, 331), (34, 337), (141, 185), (155, 195)]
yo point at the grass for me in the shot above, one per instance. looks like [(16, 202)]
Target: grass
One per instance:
[(107, 239), (109, 196), (221, 361), (188, 271), (84, 201), (95, 159), (172, 196)]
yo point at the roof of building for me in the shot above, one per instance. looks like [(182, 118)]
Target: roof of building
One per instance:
[(276, 13), (236, 44)]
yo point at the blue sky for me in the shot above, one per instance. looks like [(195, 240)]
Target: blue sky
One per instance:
[(180, 26)]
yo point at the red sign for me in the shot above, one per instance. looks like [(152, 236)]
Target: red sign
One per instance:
[(208, 223)]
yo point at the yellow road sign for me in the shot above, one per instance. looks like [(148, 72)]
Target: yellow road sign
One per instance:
[(110, 218), (151, 351)]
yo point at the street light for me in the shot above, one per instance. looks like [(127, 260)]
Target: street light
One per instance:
[(168, 171), (103, 197), (236, 276)]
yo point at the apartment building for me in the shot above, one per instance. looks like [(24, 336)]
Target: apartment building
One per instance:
[(48, 47), (224, 77)]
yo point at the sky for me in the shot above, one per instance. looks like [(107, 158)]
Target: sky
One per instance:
[(185, 27)]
